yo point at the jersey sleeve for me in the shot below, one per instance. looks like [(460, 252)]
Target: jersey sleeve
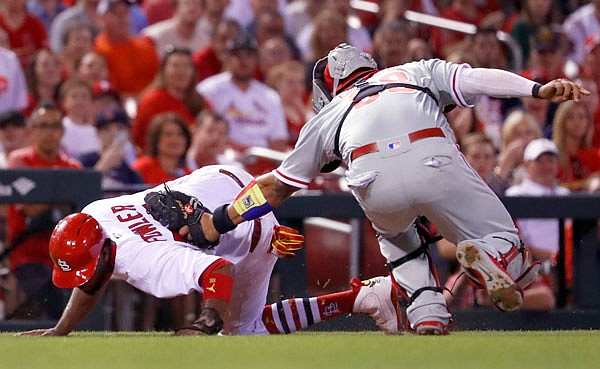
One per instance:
[(446, 80), (307, 158)]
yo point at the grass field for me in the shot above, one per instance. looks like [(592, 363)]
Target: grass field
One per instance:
[(481, 350)]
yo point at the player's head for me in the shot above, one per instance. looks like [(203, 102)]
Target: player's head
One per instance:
[(76, 246), (341, 63)]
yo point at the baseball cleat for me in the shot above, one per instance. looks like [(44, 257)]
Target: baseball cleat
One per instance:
[(431, 328), (504, 293), (378, 297)]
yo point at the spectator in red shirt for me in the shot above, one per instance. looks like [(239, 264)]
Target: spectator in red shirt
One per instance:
[(30, 225), (209, 61), (174, 91), (169, 139), (26, 33)]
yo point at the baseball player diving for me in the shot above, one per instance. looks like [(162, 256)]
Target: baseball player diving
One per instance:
[(388, 127), (153, 241)]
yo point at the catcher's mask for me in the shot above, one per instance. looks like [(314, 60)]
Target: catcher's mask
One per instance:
[(339, 64), (75, 247)]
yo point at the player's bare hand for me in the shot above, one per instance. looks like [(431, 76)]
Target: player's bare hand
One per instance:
[(562, 89), (40, 332)]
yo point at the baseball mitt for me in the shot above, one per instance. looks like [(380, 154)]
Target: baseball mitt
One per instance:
[(175, 209)]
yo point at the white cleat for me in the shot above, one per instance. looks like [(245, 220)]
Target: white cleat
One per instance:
[(504, 293), (378, 297)]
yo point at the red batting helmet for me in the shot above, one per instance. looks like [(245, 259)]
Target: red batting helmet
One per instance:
[(75, 247)]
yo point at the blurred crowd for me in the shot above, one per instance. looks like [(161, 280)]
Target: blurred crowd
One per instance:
[(148, 91)]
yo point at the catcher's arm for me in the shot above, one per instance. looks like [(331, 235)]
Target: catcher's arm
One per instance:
[(265, 193), (79, 306), (501, 83)]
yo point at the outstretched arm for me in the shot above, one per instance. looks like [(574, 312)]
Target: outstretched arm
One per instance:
[(79, 306), (256, 199), (501, 83)]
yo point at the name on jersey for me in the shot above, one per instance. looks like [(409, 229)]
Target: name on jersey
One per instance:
[(137, 223)]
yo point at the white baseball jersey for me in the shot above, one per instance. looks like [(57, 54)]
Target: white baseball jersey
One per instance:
[(13, 90), (150, 259), (254, 116), (403, 180)]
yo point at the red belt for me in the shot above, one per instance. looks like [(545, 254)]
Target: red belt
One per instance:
[(412, 137)]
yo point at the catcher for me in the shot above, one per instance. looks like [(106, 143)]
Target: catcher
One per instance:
[(389, 128), (153, 241)]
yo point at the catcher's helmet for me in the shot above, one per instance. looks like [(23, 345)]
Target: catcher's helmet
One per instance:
[(339, 64), (75, 247)]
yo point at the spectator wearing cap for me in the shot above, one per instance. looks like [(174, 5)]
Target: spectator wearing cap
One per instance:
[(182, 30), (115, 154), (26, 32), (14, 91), (105, 97), (30, 225), (209, 60), (533, 15), (541, 236), (132, 61), (79, 136), (579, 25), (173, 91), (12, 133), (548, 52), (253, 110)]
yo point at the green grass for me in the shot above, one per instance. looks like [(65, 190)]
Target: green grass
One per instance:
[(333, 350)]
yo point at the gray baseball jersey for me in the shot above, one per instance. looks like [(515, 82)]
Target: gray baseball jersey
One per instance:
[(426, 177)]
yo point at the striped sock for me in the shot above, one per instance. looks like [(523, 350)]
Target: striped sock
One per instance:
[(293, 315)]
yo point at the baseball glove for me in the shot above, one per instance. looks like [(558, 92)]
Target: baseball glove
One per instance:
[(174, 210)]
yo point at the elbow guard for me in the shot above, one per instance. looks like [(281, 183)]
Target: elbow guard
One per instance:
[(250, 203)]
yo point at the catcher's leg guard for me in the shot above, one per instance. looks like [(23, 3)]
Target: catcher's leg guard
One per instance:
[(415, 273), (502, 274)]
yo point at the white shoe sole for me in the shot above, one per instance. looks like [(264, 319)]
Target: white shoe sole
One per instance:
[(504, 293)]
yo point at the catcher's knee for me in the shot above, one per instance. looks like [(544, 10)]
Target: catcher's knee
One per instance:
[(217, 281)]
